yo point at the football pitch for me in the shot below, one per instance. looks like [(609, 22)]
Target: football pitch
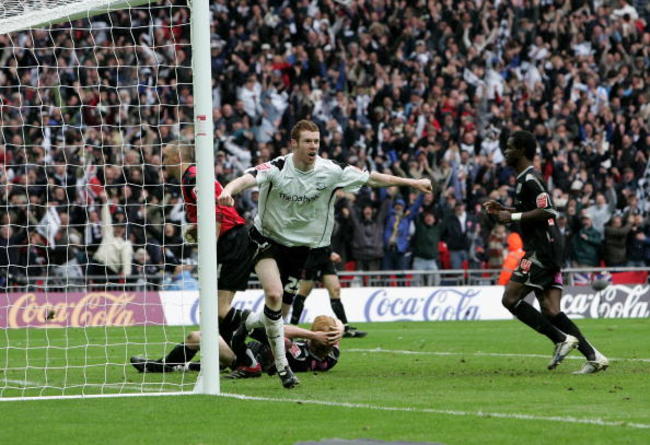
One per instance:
[(445, 382)]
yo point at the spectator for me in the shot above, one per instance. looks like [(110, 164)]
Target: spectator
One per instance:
[(566, 234), (637, 243), (616, 241), (602, 210), (368, 235), (477, 252), (9, 255), (586, 244), (181, 279), (396, 233), (425, 248), (496, 248), (454, 233), (115, 253)]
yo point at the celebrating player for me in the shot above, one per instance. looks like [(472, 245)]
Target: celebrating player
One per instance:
[(320, 267), (539, 270), (296, 214), (233, 246)]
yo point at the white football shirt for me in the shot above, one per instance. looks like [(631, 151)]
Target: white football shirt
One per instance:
[(296, 208)]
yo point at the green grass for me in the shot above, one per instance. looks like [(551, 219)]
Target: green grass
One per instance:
[(425, 387)]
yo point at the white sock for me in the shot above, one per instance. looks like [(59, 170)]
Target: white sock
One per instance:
[(274, 327)]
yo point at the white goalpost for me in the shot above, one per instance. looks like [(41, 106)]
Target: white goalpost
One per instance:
[(94, 269)]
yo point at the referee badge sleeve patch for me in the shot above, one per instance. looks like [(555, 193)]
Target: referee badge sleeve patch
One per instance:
[(542, 201)]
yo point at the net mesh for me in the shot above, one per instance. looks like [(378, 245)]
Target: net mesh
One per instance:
[(92, 256)]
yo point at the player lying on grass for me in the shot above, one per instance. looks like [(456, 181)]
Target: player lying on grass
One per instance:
[(539, 270), (315, 349), (295, 215)]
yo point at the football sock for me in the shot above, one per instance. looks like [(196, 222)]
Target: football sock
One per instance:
[(564, 323), (533, 318), (339, 310), (229, 323), (298, 306), (180, 355), (274, 326), (259, 334)]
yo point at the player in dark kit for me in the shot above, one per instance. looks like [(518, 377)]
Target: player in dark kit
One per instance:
[(320, 267), (539, 270), (234, 256), (315, 349)]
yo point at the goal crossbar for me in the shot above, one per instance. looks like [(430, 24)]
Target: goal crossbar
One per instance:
[(18, 16)]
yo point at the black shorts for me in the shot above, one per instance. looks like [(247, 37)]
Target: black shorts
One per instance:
[(290, 261), (234, 259), (532, 275), (318, 264)]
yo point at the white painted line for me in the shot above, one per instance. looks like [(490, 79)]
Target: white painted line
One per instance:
[(485, 354), (21, 382), (94, 396), (598, 422)]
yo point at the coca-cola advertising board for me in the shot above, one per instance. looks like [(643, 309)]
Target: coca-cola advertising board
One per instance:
[(80, 309), (371, 304)]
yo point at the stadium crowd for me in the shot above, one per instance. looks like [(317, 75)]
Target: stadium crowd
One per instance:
[(416, 88)]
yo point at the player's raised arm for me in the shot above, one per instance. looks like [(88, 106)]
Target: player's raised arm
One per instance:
[(383, 180), (234, 187)]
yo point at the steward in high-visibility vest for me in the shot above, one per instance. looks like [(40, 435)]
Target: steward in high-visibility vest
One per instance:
[(515, 254)]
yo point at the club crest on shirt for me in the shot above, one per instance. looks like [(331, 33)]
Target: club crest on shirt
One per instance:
[(525, 265), (542, 200)]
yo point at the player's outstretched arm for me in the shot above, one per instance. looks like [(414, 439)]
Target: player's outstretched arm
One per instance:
[(506, 216), (234, 187), (291, 331), (383, 180)]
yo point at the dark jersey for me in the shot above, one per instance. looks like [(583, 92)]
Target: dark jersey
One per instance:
[(298, 355), (301, 359), (226, 216), (542, 240)]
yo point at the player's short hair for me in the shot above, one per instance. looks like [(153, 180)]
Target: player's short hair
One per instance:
[(524, 140), (185, 151), (303, 125), (321, 323)]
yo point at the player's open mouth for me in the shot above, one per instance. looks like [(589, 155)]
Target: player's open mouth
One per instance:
[(312, 154)]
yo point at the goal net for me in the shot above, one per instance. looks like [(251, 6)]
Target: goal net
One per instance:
[(93, 266)]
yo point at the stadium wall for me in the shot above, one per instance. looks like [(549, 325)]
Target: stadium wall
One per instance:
[(363, 304)]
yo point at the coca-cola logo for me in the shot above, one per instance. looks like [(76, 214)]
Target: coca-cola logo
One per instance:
[(254, 305), (91, 309), (441, 305), (612, 302)]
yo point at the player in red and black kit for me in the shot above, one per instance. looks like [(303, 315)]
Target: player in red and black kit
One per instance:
[(234, 257), (540, 269)]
